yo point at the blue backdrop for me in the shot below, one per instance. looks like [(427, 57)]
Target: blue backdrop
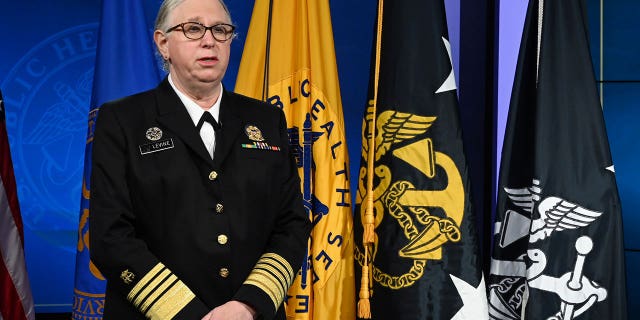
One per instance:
[(46, 73)]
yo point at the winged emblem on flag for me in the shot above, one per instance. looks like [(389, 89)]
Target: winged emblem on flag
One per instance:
[(556, 214), (393, 127), (404, 136)]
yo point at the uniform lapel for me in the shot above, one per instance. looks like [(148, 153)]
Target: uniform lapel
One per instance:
[(231, 127), (174, 116)]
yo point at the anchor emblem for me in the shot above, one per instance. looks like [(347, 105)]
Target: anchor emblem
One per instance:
[(410, 207)]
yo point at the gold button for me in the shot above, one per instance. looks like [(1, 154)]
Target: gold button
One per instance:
[(213, 175), (222, 239), (224, 272), (219, 208)]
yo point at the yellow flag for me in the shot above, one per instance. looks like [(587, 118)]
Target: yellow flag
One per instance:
[(289, 61)]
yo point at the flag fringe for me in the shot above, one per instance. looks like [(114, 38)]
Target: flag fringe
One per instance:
[(364, 307)]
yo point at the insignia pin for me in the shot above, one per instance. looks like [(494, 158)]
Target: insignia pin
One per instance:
[(253, 133), (127, 276), (154, 134)]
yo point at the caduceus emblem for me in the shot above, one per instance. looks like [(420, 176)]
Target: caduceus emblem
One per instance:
[(575, 290)]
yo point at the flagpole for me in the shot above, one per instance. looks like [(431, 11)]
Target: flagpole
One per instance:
[(366, 286), (540, 18), (265, 79)]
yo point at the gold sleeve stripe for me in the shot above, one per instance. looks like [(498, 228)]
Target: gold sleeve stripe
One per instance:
[(285, 266), (267, 276), (264, 287), (171, 302), (144, 281), (273, 275), (160, 294), (141, 300), (160, 289)]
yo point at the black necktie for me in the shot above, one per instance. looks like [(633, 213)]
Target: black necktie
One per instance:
[(206, 116), (209, 140)]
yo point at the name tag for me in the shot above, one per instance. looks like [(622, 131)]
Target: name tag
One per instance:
[(152, 147)]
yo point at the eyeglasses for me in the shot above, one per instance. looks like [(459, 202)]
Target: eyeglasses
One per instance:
[(196, 31)]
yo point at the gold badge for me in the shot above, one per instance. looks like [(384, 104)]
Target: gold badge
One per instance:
[(253, 133), (127, 276), (154, 134)]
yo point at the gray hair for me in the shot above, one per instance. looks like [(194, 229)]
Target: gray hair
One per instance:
[(167, 7)]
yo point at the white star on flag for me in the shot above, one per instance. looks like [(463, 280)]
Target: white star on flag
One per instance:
[(450, 83), (474, 300)]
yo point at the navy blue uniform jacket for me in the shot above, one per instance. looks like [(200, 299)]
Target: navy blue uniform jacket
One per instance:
[(175, 233)]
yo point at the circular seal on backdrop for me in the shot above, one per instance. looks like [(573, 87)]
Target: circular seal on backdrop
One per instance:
[(47, 96)]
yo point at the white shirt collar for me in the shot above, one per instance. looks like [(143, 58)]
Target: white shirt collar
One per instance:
[(194, 110)]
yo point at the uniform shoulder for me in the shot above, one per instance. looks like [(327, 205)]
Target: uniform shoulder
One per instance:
[(251, 106), (140, 99)]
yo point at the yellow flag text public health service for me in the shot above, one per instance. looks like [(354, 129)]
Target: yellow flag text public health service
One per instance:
[(289, 61)]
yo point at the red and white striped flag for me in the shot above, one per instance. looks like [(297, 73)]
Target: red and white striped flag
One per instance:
[(16, 302)]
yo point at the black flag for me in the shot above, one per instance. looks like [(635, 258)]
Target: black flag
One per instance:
[(422, 260), (558, 250)]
